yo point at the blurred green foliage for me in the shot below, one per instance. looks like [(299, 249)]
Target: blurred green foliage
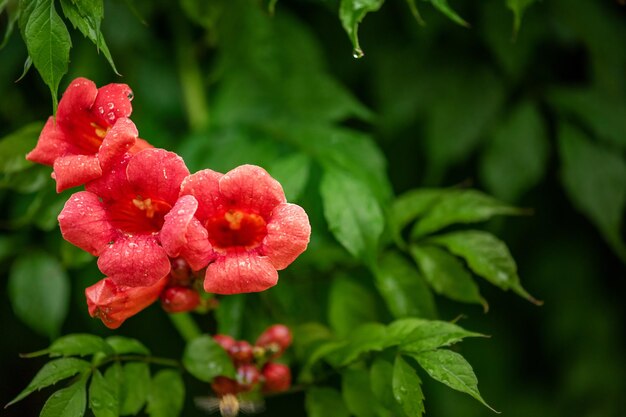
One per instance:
[(531, 110)]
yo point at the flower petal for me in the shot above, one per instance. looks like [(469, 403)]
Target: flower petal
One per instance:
[(117, 141), (204, 186), (113, 303), (183, 235), (251, 187), (140, 145), (134, 261), (240, 272), (157, 172), (113, 185), (51, 144), (288, 233), (74, 170), (75, 105), (112, 103), (84, 223)]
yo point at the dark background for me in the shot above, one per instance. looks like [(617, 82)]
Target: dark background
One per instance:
[(565, 358)]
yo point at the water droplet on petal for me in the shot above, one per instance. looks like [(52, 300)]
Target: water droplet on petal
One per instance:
[(110, 117), (130, 96), (357, 53), (101, 110), (111, 106)]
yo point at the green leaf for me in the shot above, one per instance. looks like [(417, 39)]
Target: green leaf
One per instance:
[(48, 43), (51, 373), (15, 146), (324, 402), (28, 181), (103, 396), (307, 337), (349, 305), (230, 315), (67, 402), (39, 292), (595, 180), (407, 388), (321, 351), (293, 173), (370, 337), (352, 212), (204, 13), (350, 152), (451, 369), (444, 7), (603, 113), (399, 330), (205, 359), (414, 11), (167, 394), (351, 13), (25, 10), (357, 393), (78, 345), (86, 16), (134, 387), (403, 288), (516, 157), (518, 7), (125, 345), (381, 373), (13, 14), (411, 205), (446, 274), (434, 334), (466, 103), (487, 256), (461, 206)]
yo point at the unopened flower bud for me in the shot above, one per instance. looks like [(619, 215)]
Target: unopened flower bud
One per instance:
[(225, 341), (180, 272), (113, 303), (275, 340), (179, 299), (222, 385), (277, 377), (247, 376), (241, 352)]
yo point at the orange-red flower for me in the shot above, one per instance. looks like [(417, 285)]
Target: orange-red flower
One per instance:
[(252, 230), (81, 142), (120, 216), (113, 303)]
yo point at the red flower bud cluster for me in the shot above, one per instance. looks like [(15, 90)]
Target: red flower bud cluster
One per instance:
[(151, 223), (254, 364)]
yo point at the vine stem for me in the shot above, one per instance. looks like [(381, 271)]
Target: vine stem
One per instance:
[(193, 87), (186, 326)]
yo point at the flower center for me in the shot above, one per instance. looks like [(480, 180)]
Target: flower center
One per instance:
[(236, 229), (139, 215)]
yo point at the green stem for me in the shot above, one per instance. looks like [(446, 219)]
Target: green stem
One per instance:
[(194, 90), (186, 326), (140, 358)]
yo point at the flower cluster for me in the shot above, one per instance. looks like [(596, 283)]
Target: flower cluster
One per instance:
[(142, 211), (254, 364)]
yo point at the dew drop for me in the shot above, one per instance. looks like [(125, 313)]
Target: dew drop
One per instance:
[(111, 106), (101, 110), (110, 116), (357, 53), (130, 96)]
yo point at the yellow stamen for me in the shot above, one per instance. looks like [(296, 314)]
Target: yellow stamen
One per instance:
[(144, 205), (234, 219)]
